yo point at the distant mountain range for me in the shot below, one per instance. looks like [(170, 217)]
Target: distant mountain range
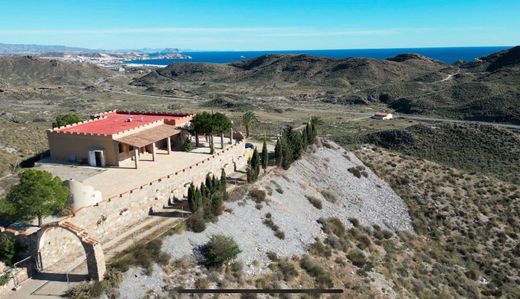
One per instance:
[(23, 49), (486, 89)]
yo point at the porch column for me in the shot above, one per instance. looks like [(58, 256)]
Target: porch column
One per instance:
[(169, 144), (231, 136), (153, 151), (136, 157)]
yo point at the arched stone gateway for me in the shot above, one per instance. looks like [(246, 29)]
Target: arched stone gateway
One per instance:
[(54, 240)]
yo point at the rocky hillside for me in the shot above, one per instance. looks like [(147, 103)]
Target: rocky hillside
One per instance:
[(298, 203), (486, 89), (475, 148), (30, 71), (301, 70)]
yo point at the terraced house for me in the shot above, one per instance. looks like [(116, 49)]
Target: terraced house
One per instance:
[(115, 137)]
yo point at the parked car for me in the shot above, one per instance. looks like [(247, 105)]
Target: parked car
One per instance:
[(250, 145)]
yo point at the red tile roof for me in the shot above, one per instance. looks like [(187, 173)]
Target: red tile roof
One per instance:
[(117, 121)]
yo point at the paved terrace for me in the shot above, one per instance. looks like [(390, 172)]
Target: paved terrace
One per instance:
[(117, 180)]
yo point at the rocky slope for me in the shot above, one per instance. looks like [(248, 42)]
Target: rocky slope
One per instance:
[(325, 175)]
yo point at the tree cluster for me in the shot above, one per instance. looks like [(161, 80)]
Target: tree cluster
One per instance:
[(67, 119), (292, 143), (38, 194), (253, 167), (206, 123), (207, 199)]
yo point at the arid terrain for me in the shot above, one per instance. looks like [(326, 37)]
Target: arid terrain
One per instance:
[(406, 208)]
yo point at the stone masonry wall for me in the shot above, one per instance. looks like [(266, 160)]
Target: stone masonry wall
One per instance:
[(111, 217)]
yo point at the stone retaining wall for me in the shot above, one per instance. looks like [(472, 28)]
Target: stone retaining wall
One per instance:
[(112, 216)]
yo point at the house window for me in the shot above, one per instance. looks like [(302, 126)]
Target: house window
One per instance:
[(121, 148)]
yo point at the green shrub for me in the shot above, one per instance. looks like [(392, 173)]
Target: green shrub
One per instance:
[(196, 222), (4, 278), (321, 276), (332, 225), (219, 250), (7, 249), (188, 146), (142, 255), (358, 171), (287, 270), (258, 195), (357, 257), (268, 221)]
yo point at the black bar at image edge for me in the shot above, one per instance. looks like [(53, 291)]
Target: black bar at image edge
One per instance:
[(259, 291)]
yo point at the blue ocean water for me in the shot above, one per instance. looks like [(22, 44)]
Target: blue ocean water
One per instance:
[(447, 55)]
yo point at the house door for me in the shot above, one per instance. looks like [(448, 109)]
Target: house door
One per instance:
[(96, 158)]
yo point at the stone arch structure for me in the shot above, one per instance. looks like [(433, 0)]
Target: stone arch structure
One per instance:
[(92, 248)]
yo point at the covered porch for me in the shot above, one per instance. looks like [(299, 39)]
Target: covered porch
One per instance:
[(146, 145)]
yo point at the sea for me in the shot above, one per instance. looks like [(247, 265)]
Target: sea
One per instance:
[(447, 55)]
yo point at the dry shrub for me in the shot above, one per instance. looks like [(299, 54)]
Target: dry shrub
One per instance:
[(314, 201), (329, 196)]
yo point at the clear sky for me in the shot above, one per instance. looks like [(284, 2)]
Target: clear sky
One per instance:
[(261, 25)]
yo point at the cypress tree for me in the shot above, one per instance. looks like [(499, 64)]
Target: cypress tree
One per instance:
[(203, 190), (198, 199), (255, 163), (216, 184), (278, 153), (209, 183), (223, 180), (191, 198), (249, 171), (217, 205), (265, 156), (305, 140), (279, 161)]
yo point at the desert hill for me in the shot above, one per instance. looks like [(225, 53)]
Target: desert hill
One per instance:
[(303, 70), (486, 89), (27, 70)]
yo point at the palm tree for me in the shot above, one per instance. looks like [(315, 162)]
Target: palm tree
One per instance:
[(221, 124), (249, 119)]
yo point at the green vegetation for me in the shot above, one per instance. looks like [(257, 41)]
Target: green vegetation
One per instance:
[(219, 250), (268, 221), (7, 249), (38, 194), (67, 119), (250, 118), (207, 201), (467, 238), (253, 167), (208, 124), (479, 148), (5, 277), (474, 148), (322, 276), (188, 146), (265, 156), (11, 250), (292, 143), (142, 255), (358, 171)]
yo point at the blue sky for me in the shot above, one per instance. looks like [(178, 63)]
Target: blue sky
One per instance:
[(261, 25)]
